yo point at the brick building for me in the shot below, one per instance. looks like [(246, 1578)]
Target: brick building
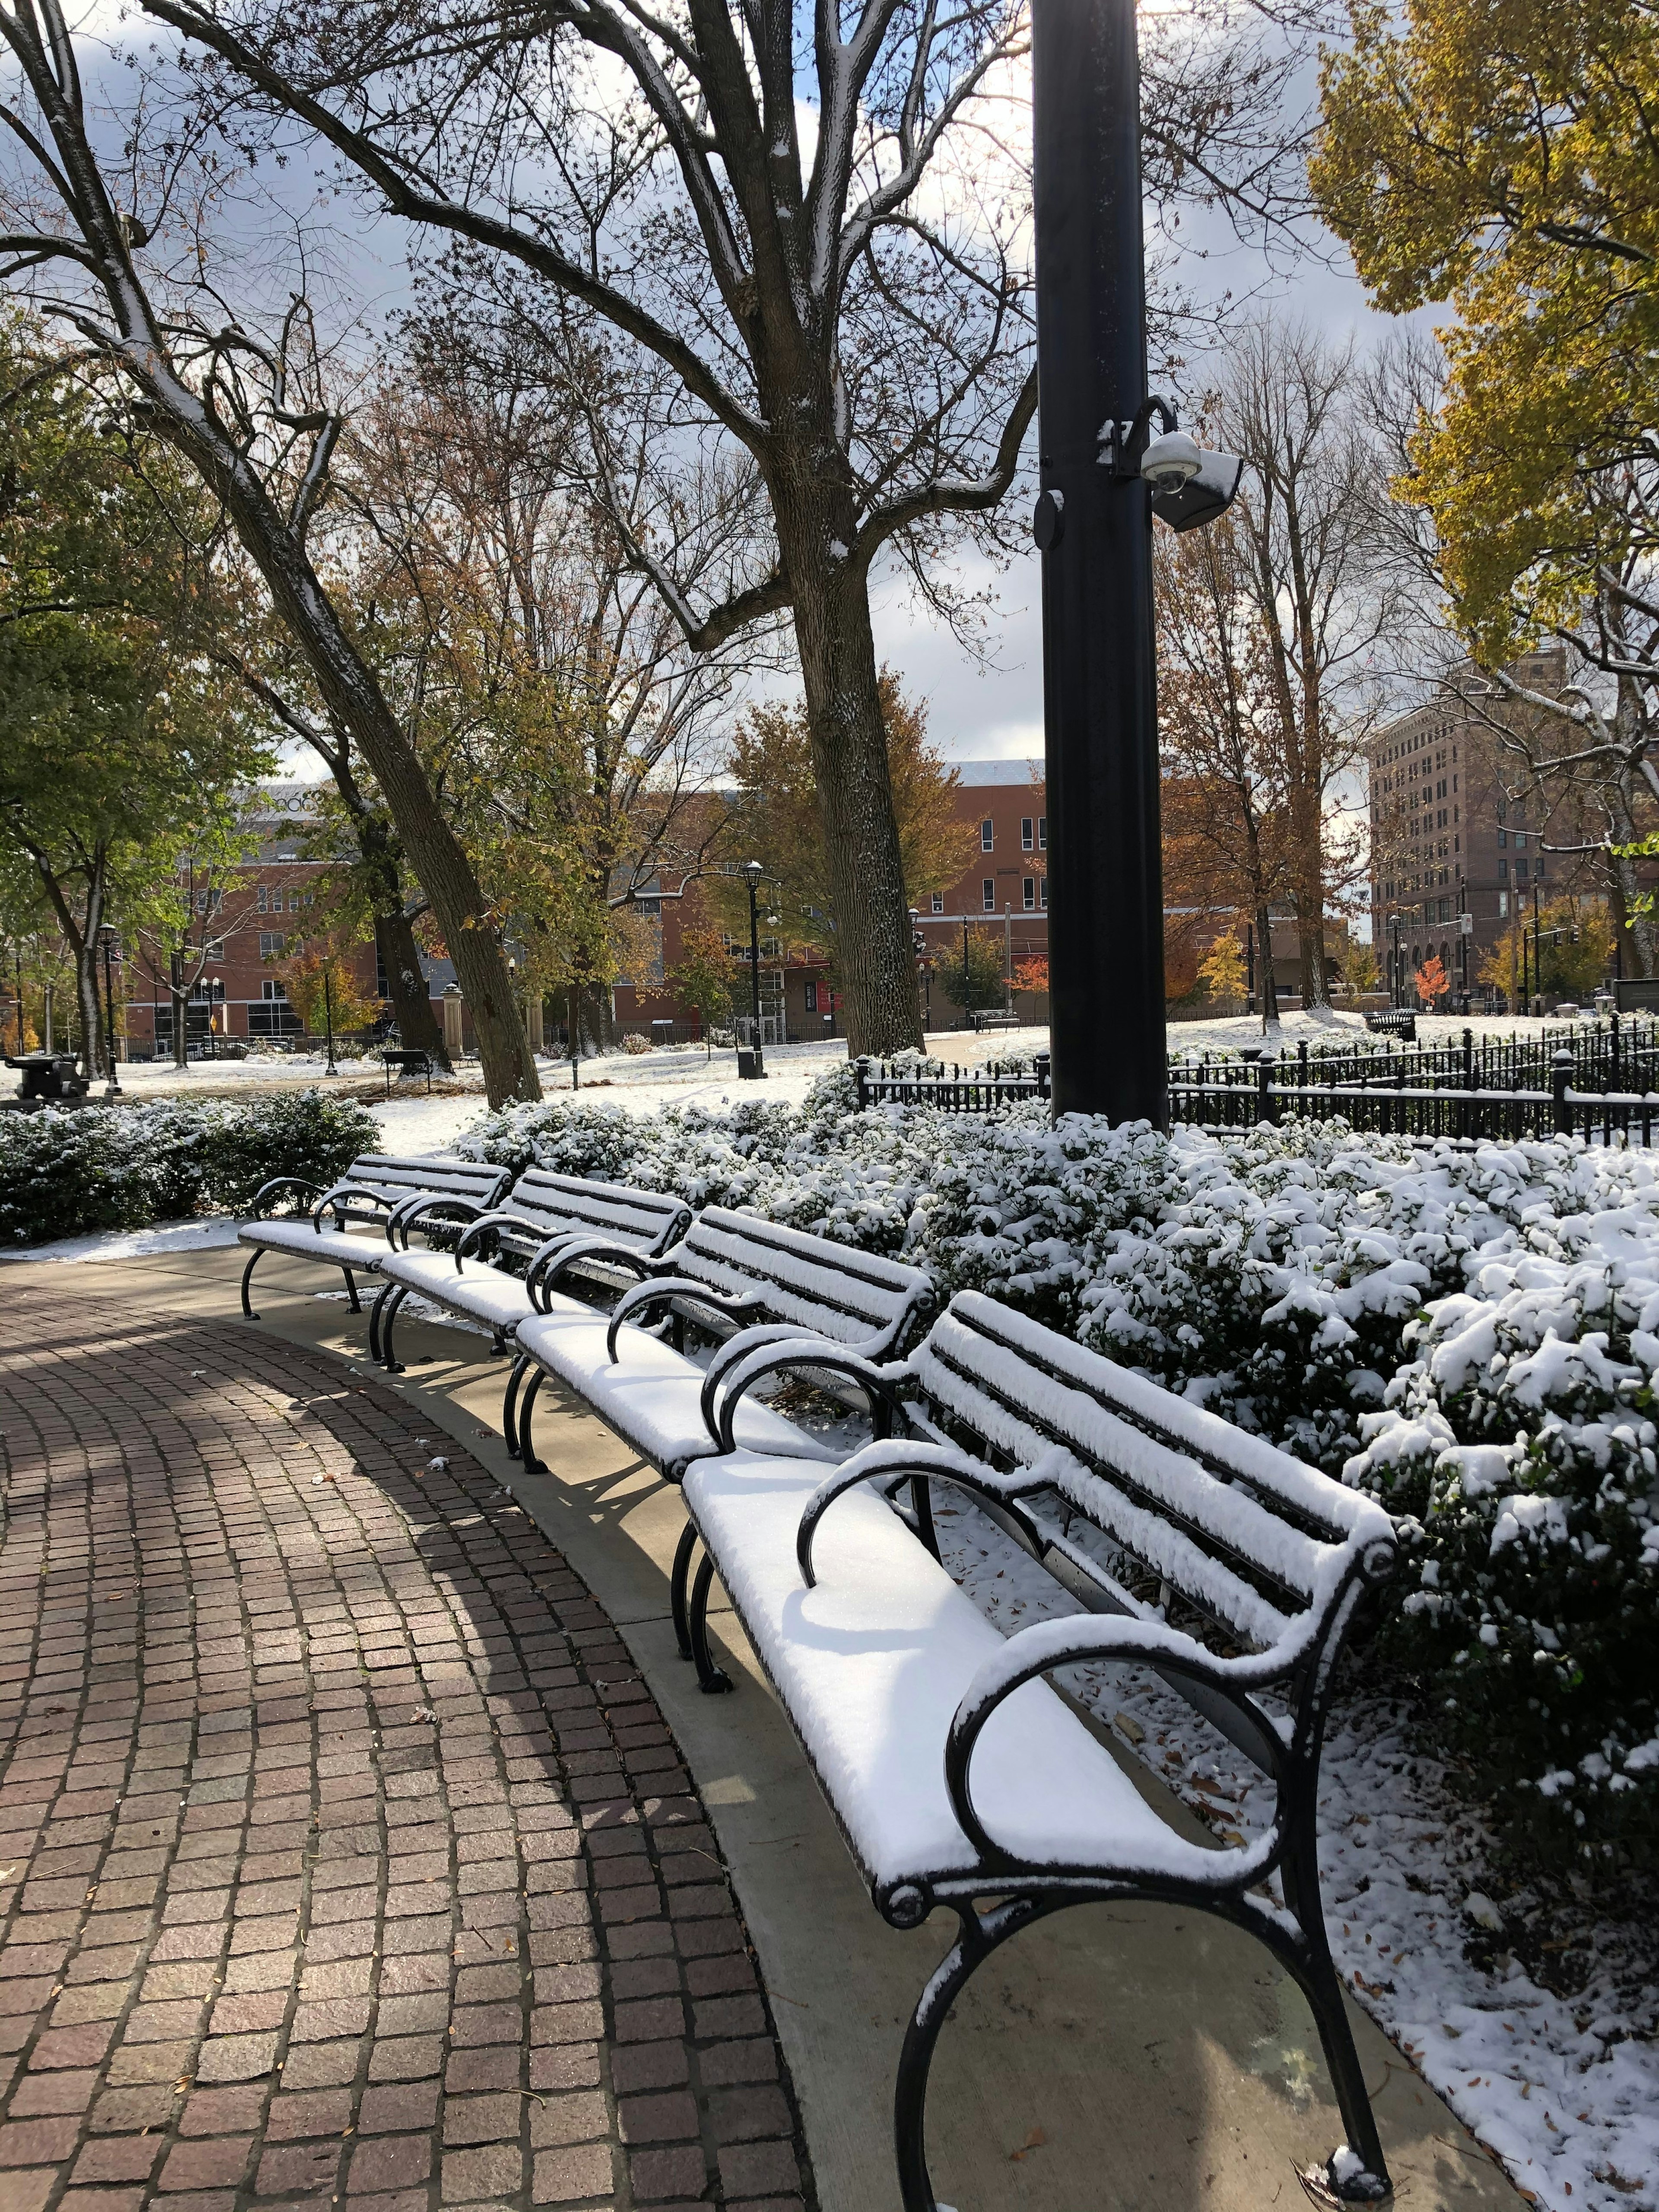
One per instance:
[(243, 922), (1447, 840)]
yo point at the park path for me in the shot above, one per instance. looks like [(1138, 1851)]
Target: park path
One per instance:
[(345, 1858)]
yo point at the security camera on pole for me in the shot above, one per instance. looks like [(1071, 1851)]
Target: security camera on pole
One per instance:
[(1103, 476)]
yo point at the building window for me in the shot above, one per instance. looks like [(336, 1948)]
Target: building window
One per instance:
[(1538, 866), (937, 901), (214, 948), (260, 899), (270, 945), (1043, 833), (1027, 832), (1043, 892), (1502, 871), (988, 835), (811, 996), (1503, 837), (1520, 841), (1503, 905), (1029, 888), (273, 988), (988, 894)]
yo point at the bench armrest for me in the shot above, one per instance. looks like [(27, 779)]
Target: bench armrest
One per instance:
[(487, 1220), (332, 1200), (1076, 1639), (281, 1182), (665, 1291), (550, 1260), (406, 1212), (776, 1348), (902, 1456)]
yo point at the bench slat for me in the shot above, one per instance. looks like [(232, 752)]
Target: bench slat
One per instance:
[(849, 1300)]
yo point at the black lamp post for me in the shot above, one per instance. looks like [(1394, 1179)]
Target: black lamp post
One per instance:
[(328, 1012), (1094, 524), (107, 936), (752, 873)]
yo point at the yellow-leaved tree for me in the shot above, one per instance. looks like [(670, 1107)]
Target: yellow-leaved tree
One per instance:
[(1499, 155)]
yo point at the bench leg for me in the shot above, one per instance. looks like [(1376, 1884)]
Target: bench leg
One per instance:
[(921, 1498), (254, 1259), (711, 1678), (677, 1587), (526, 1411), (389, 1358), (374, 1313), (510, 1404), (1311, 1963), (982, 1933), (355, 1305)]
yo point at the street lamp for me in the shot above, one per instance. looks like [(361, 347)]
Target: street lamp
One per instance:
[(106, 938), (328, 1012), (919, 947), (756, 1069)]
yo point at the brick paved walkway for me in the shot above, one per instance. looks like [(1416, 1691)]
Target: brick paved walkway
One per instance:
[(344, 1857)]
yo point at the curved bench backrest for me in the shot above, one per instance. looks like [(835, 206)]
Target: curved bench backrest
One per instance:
[(378, 1174), (1186, 1503), (551, 1204), (834, 1291)]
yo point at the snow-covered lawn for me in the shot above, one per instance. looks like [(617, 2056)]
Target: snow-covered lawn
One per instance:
[(1564, 2088)]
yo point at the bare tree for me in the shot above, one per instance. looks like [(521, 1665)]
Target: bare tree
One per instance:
[(245, 410), (1226, 812), (844, 304), (1322, 597)]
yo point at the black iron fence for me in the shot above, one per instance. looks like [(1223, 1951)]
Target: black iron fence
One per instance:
[(1600, 1079), (1399, 1108), (949, 1089), (1618, 1054)]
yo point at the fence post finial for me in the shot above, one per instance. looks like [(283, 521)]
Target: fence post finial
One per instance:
[(1560, 1076)]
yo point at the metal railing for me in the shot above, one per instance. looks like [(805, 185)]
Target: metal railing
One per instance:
[(1398, 1107), (954, 1090)]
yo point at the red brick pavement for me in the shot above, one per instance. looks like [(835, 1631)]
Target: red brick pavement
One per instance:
[(344, 1857)]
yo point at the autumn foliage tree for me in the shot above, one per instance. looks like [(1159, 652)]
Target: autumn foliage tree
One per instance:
[(778, 819), (1501, 159)]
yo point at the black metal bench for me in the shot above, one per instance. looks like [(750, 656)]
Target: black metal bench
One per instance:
[(1393, 1021), (413, 1060), (959, 1776), (369, 1194), (538, 1221), (733, 1276)]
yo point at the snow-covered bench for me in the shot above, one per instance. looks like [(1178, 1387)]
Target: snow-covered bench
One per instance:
[(957, 1773), (754, 1282), (543, 1217), (367, 1195)]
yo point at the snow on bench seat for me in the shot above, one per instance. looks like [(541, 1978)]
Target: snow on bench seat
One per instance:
[(371, 1192), (568, 1223), (871, 1666), (650, 1394)]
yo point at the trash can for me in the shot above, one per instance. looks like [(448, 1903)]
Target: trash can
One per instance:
[(662, 1033), (750, 1069)]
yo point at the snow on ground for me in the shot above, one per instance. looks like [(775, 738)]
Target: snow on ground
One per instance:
[(134, 1243), (1555, 2086)]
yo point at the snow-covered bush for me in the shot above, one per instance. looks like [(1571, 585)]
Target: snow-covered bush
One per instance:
[(65, 1173), (1472, 1335)]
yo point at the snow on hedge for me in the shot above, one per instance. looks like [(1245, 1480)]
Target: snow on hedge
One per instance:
[(1472, 1336)]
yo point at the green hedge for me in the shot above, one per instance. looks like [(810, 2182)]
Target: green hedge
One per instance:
[(65, 1174)]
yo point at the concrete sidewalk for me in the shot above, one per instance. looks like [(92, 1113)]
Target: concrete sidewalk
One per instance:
[(1118, 2059)]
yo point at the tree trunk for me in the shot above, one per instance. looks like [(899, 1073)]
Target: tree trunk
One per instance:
[(355, 700), (875, 959), (81, 937)]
